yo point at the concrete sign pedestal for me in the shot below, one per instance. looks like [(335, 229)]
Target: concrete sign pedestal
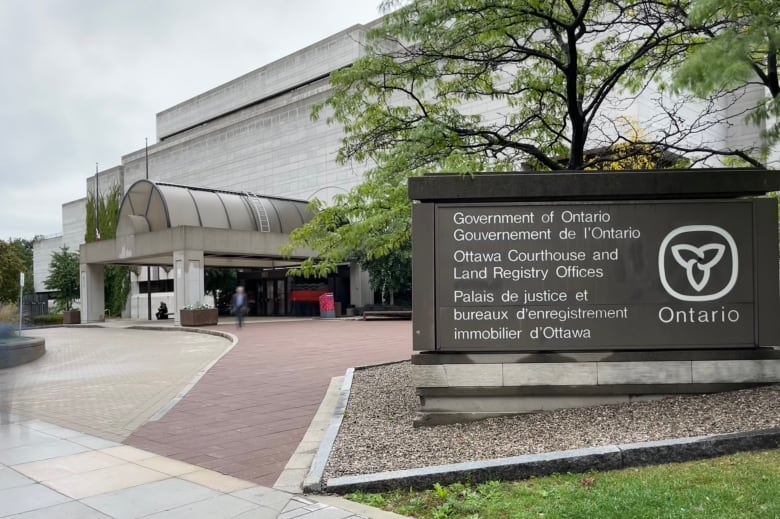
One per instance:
[(544, 290)]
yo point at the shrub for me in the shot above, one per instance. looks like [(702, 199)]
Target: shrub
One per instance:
[(47, 320), (9, 314)]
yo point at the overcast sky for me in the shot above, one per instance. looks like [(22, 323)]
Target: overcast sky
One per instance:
[(82, 81)]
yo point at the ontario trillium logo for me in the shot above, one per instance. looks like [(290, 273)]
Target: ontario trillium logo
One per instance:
[(698, 263)]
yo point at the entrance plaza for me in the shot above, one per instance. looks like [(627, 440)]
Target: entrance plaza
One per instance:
[(117, 421)]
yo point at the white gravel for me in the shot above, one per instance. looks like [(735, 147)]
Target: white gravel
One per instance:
[(377, 434)]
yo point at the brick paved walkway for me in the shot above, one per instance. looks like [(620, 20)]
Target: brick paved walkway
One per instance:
[(106, 382), (247, 415)]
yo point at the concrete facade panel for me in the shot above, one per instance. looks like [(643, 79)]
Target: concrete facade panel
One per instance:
[(305, 65), (737, 371), (429, 376), (74, 223), (474, 375), (502, 405), (538, 374), (669, 372), (42, 252)]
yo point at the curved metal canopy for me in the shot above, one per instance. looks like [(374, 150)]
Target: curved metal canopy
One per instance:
[(153, 206)]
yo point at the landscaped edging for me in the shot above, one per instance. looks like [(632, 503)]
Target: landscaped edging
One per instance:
[(611, 457), (313, 480)]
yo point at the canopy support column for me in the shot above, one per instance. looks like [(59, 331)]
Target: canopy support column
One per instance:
[(361, 293), (189, 284), (91, 288)]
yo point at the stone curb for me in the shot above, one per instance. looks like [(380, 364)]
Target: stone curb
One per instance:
[(312, 483), (578, 460)]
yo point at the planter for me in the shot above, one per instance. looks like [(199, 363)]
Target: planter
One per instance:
[(71, 317), (198, 317), (15, 351)]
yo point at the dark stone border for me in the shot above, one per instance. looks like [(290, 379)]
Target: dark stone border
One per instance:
[(16, 351), (611, 457), (579, 185), (313, 480)]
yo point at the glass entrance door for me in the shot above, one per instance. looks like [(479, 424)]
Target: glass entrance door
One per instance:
[(273, 297)]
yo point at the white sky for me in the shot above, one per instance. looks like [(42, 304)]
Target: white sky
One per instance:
[(82, 81)]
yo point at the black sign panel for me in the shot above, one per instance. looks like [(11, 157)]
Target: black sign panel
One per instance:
[(528, 277)]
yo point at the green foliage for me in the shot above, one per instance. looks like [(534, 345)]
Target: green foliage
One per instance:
[(117, 279), (391, 274), (739, 486), (9, 313), (543, 75), (107, 214), (547, 67), (198, 305), (64, 278), (116, 289), (47, 320), (11, 264), (24, 250), (741, 48), (222, 280)]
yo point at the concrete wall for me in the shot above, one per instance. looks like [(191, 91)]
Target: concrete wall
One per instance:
[(74, 223), (42, 251), (309, 63), (107, 179), (273, 149)]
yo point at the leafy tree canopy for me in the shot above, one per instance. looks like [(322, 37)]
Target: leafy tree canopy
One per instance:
[(11, 264), (740, 48), (64, 278), (491, 85), (21, 249)]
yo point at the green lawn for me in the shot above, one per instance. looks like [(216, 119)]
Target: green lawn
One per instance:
[(740, 486)]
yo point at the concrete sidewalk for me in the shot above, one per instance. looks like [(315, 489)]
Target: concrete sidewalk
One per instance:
[(49, 472), (241, 410)]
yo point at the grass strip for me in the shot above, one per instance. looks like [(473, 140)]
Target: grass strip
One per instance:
[(744, 485)]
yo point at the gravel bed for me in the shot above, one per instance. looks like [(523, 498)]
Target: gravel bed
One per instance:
[(377, 434)]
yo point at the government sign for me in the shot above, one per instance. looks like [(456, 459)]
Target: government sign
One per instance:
[(596, 275)]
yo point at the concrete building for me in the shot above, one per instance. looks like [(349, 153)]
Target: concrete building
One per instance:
[(254, 134)]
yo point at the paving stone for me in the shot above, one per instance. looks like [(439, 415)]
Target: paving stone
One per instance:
[(223, 506), (10, 478), (26, 498), (150, 498), (102, 481), (255, 405), (72, 510), (107, 382), (46, 470), (40, 451)]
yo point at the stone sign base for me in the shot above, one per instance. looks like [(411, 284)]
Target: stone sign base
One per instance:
[(455, 387)]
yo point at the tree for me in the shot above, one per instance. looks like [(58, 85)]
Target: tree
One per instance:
[(740, 49), (11, 264), (493, 85), (391, 274), (24, 249), (105, 211), (64, 278)]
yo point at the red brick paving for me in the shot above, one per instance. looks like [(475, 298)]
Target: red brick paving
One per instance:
[(248, 414)]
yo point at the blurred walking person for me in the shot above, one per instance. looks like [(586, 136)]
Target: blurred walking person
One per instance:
[(239, 305)]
